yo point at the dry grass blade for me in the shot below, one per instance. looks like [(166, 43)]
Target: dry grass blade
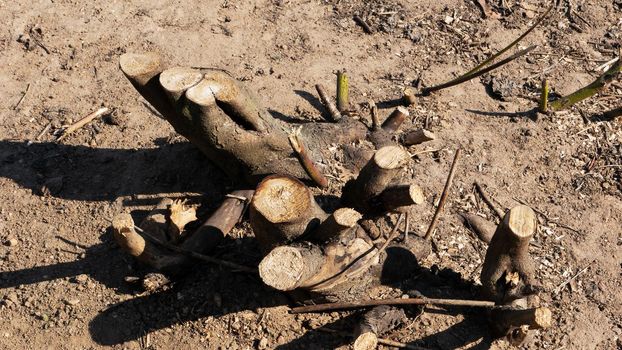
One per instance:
[(82, 122), (478, 70)]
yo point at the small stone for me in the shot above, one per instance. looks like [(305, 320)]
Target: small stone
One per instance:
[(263, 343), (72, 302), (12, 297), (12, 242)]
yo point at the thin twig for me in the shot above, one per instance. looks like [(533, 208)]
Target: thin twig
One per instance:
[(40, 135), (196, 255), (330, 106), (305, 160), (394, 301), (21, 99), (82, 122), (382, 341), (565, 283), (441, 203), (487, 200)]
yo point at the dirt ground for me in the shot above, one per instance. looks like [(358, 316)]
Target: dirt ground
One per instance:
[(63, 279)]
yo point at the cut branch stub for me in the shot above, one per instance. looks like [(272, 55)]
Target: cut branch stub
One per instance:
[(508, 270), (483, 228), (339, 222), (286, 268), (143, 250), (374, 178), (282, 210), (514, 324), (398, 198), (219, 224), (177, 80), (415, 137), (395, 119)]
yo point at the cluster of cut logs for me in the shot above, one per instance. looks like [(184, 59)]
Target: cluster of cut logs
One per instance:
[(334, 255)]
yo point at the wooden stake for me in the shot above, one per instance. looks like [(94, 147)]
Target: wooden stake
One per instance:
[(397, 301), (330, 106), (82, 122), (373, 109), (441, 202), (410, 97)]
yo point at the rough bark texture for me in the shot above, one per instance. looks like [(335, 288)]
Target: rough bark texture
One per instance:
[(375, 322), (219, 116), (508, 270)]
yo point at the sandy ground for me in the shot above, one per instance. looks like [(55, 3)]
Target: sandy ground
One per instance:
[(62, 277)]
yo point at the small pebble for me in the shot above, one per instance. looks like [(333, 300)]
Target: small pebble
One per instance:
[(11, 242)]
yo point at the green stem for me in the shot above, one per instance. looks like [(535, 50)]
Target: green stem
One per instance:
[(343, 101), (544, 97), (588, 91)]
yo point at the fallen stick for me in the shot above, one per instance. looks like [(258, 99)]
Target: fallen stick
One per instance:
[(441, 203), (305, 160), (40, 134), (82, 122), (394, 301), (366, 28), (21, 99), (330, 106), (196, 255), (565, 283), (382, 341), (487, 200)]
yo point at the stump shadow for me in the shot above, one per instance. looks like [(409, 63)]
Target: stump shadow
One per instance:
[(104, 174)]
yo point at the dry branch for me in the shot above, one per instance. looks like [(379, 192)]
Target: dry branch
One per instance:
[(441, 203), (483, 228), (495, 209), (397, 301), (374, 178), (82, 122), (330, 106)]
